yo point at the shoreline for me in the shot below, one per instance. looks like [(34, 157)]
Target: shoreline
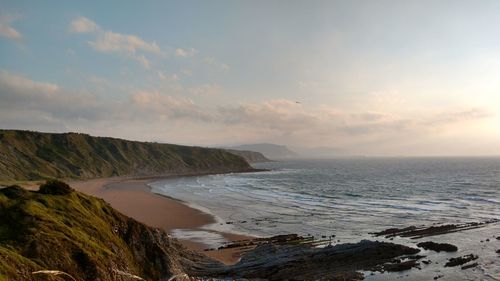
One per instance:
[(133, 197), (479, 244)]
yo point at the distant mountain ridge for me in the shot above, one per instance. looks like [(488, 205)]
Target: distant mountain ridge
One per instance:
[(269, 150), (27, 155), (250, 156)]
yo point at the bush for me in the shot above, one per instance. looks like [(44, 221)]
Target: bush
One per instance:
[(15, 192), (55, 187)]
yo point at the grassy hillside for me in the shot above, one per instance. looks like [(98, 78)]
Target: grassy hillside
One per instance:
[(26, 155), (57, 228)]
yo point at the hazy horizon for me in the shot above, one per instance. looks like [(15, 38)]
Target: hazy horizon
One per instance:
[(385, 78)]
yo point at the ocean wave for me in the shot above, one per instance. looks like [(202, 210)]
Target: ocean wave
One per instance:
[(346, 196)]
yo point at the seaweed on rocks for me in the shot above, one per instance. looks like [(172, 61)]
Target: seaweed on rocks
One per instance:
[(416, 232), (305, 262), (460, 260), (437, 247)]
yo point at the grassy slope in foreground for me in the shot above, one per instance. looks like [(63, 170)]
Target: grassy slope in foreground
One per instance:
[(58, 228), (26, 155)]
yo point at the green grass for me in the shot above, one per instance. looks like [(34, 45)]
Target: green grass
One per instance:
[(75, 233), (11, 262), (27, 156)]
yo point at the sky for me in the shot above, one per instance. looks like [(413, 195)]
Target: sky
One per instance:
[(375, 78)]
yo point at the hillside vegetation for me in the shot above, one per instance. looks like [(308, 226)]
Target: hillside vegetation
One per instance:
[(57, 228), (26, 155)]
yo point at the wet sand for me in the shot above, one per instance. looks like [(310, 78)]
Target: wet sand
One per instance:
[(133, 198)]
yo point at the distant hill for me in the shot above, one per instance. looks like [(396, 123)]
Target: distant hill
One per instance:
[(320, 152), (269, 150), (26, 155), (250, 156)]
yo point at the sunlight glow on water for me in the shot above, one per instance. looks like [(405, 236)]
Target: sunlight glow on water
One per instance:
[(350, 198)]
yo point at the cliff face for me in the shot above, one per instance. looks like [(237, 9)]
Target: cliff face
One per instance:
[(249, 156), (60, 229), (26, 155)]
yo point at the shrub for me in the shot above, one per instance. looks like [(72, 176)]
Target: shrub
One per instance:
[(15, 192), (55, 187)]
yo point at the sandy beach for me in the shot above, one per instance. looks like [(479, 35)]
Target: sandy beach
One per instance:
[(133, 198)]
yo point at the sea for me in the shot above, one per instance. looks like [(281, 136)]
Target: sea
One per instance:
[(344, 200)]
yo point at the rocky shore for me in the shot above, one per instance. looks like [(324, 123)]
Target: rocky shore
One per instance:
[(64, 232)]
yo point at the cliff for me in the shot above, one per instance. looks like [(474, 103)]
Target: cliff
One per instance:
[(249, 156), (57, 228), (59, 231), (26, 155)]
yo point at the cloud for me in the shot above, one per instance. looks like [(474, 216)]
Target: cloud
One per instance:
[(133, 47), (126, 45), (378, 128), (143, 60), (309, 85), (283, 115), (164, 77), (49, 106), (372, 116), (6, 30), (13, 85), (20, 94), (216, 64), (382, 124), (109, 41), (205, 90), (185, 53), (83, 25), (187, 72), (462, 115), (163, 106), (286, 118)]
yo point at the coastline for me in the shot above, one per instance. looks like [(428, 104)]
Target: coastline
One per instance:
[(134, 198)]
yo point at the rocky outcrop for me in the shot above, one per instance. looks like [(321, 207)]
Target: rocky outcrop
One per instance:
[(417, 232), (437, 247), (66, 233), (304, 262), (461, 260)]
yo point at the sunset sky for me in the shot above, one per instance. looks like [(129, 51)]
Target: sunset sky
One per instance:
[(363, 77)]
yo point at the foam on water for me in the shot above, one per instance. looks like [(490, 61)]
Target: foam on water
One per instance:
[(383, 191), (345, 197)]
